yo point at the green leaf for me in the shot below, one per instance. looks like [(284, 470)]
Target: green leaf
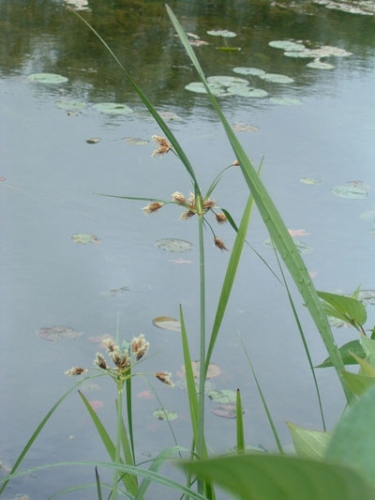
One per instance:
[(282, 478), (353, 440), (348, 309), (239, 423), (352, 347), (358, 384), (308, 443)]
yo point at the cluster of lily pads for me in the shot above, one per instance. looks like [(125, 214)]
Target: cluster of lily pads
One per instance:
[(363, 7)]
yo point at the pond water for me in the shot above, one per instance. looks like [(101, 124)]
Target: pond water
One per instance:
[(318, 127)]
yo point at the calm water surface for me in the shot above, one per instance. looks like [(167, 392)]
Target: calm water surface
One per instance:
[(49, 175)]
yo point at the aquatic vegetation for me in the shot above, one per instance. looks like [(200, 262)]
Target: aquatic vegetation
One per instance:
[(112, 108), (55, 333), (47, 78), (167, 323), (85, 238)]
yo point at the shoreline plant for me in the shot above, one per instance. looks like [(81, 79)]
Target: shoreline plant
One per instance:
[(327, 466)]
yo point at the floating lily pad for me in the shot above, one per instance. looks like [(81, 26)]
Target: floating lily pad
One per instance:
[(164, 414), (319, 65), (85, 238), (170, 116), (247, 92), (286, 101), (167, 323), (93, 140), (367, 297), (174, 245), (226, 81), (47, 78), (276, 78), (70, 105), (308, 180), (212, 372), (244, 127), (55, 333), (208, 386), (287, 45), (199, 88), (223, 396), (302, 247), (224, 33), (135, 141), (225, 410), (351, 192), (249, 71), (112, 108)]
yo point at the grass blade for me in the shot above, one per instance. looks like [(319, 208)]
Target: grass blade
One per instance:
[(239, 424)]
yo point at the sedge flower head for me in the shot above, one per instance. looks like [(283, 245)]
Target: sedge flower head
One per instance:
[(152, 207), (220, 243), (235, 163), (163, 146), (101, 362), (179, 198), (76, 370), (187, 214), (192, 200), (209, 203), (221, 218), (165, 377), (139, 346)]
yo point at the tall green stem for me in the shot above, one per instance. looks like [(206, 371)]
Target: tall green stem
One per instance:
[(202, 338), (120, 389)]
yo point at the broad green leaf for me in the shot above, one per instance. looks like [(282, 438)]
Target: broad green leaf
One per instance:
[(308, 443), (352, 309), (369, 348), (352, 347), (366, 368), (353, 440), (358, 384), (47, 78), (253, 477)]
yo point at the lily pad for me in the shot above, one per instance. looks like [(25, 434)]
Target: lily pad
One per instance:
[(93, 140), (226, 81), (70, 105), (249, 71), (47, 78), (247, 92), (208, 385), (135, 141), (199, 88), (223, 396), (112, 108), (319, 65), (308, 180), (85, 238), (276, 78), (223, 33), (287, 45), (286, 101), (164, 414), (167, 323), (367, 297), (351, 192), (55, 333), (174, 245), (212, 372), (225, 410), (170, 116)]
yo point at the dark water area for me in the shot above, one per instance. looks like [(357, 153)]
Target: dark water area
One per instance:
[(49, 175)]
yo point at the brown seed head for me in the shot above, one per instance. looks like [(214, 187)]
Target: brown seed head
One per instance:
[(163, 146), (101, 362), (152, 207), (187, 214), (192, 200), (139, 346), (220, 243), (165, 377), (221, 218), (109, 345), (235, 163), (178, 198), (76, 370), (210, 203)]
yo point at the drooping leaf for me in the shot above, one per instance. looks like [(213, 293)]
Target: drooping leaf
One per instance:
[(358, 384), (354, 346), (347, 308), (265, 476), (308, 443)]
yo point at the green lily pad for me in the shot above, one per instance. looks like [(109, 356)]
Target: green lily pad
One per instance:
[(174, 245), (276, 78), (247, 92), (287, 45), (227, 81), (47, 78), (112, 108), (170, 116), (286, 101), (308, 180), (85, 238), (319, 65), (70, 105), (167, 323), (55, 333), (223, 33), (351, 192), (135, 141), (199, 88), (249, 71), (164, 414), (223, 396), (225, 410)]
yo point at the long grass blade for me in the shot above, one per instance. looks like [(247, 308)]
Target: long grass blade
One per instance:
[(239, 424), (274, 222)]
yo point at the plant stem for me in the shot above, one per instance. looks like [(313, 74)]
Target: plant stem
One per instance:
[(120, 388), (202, 343)]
